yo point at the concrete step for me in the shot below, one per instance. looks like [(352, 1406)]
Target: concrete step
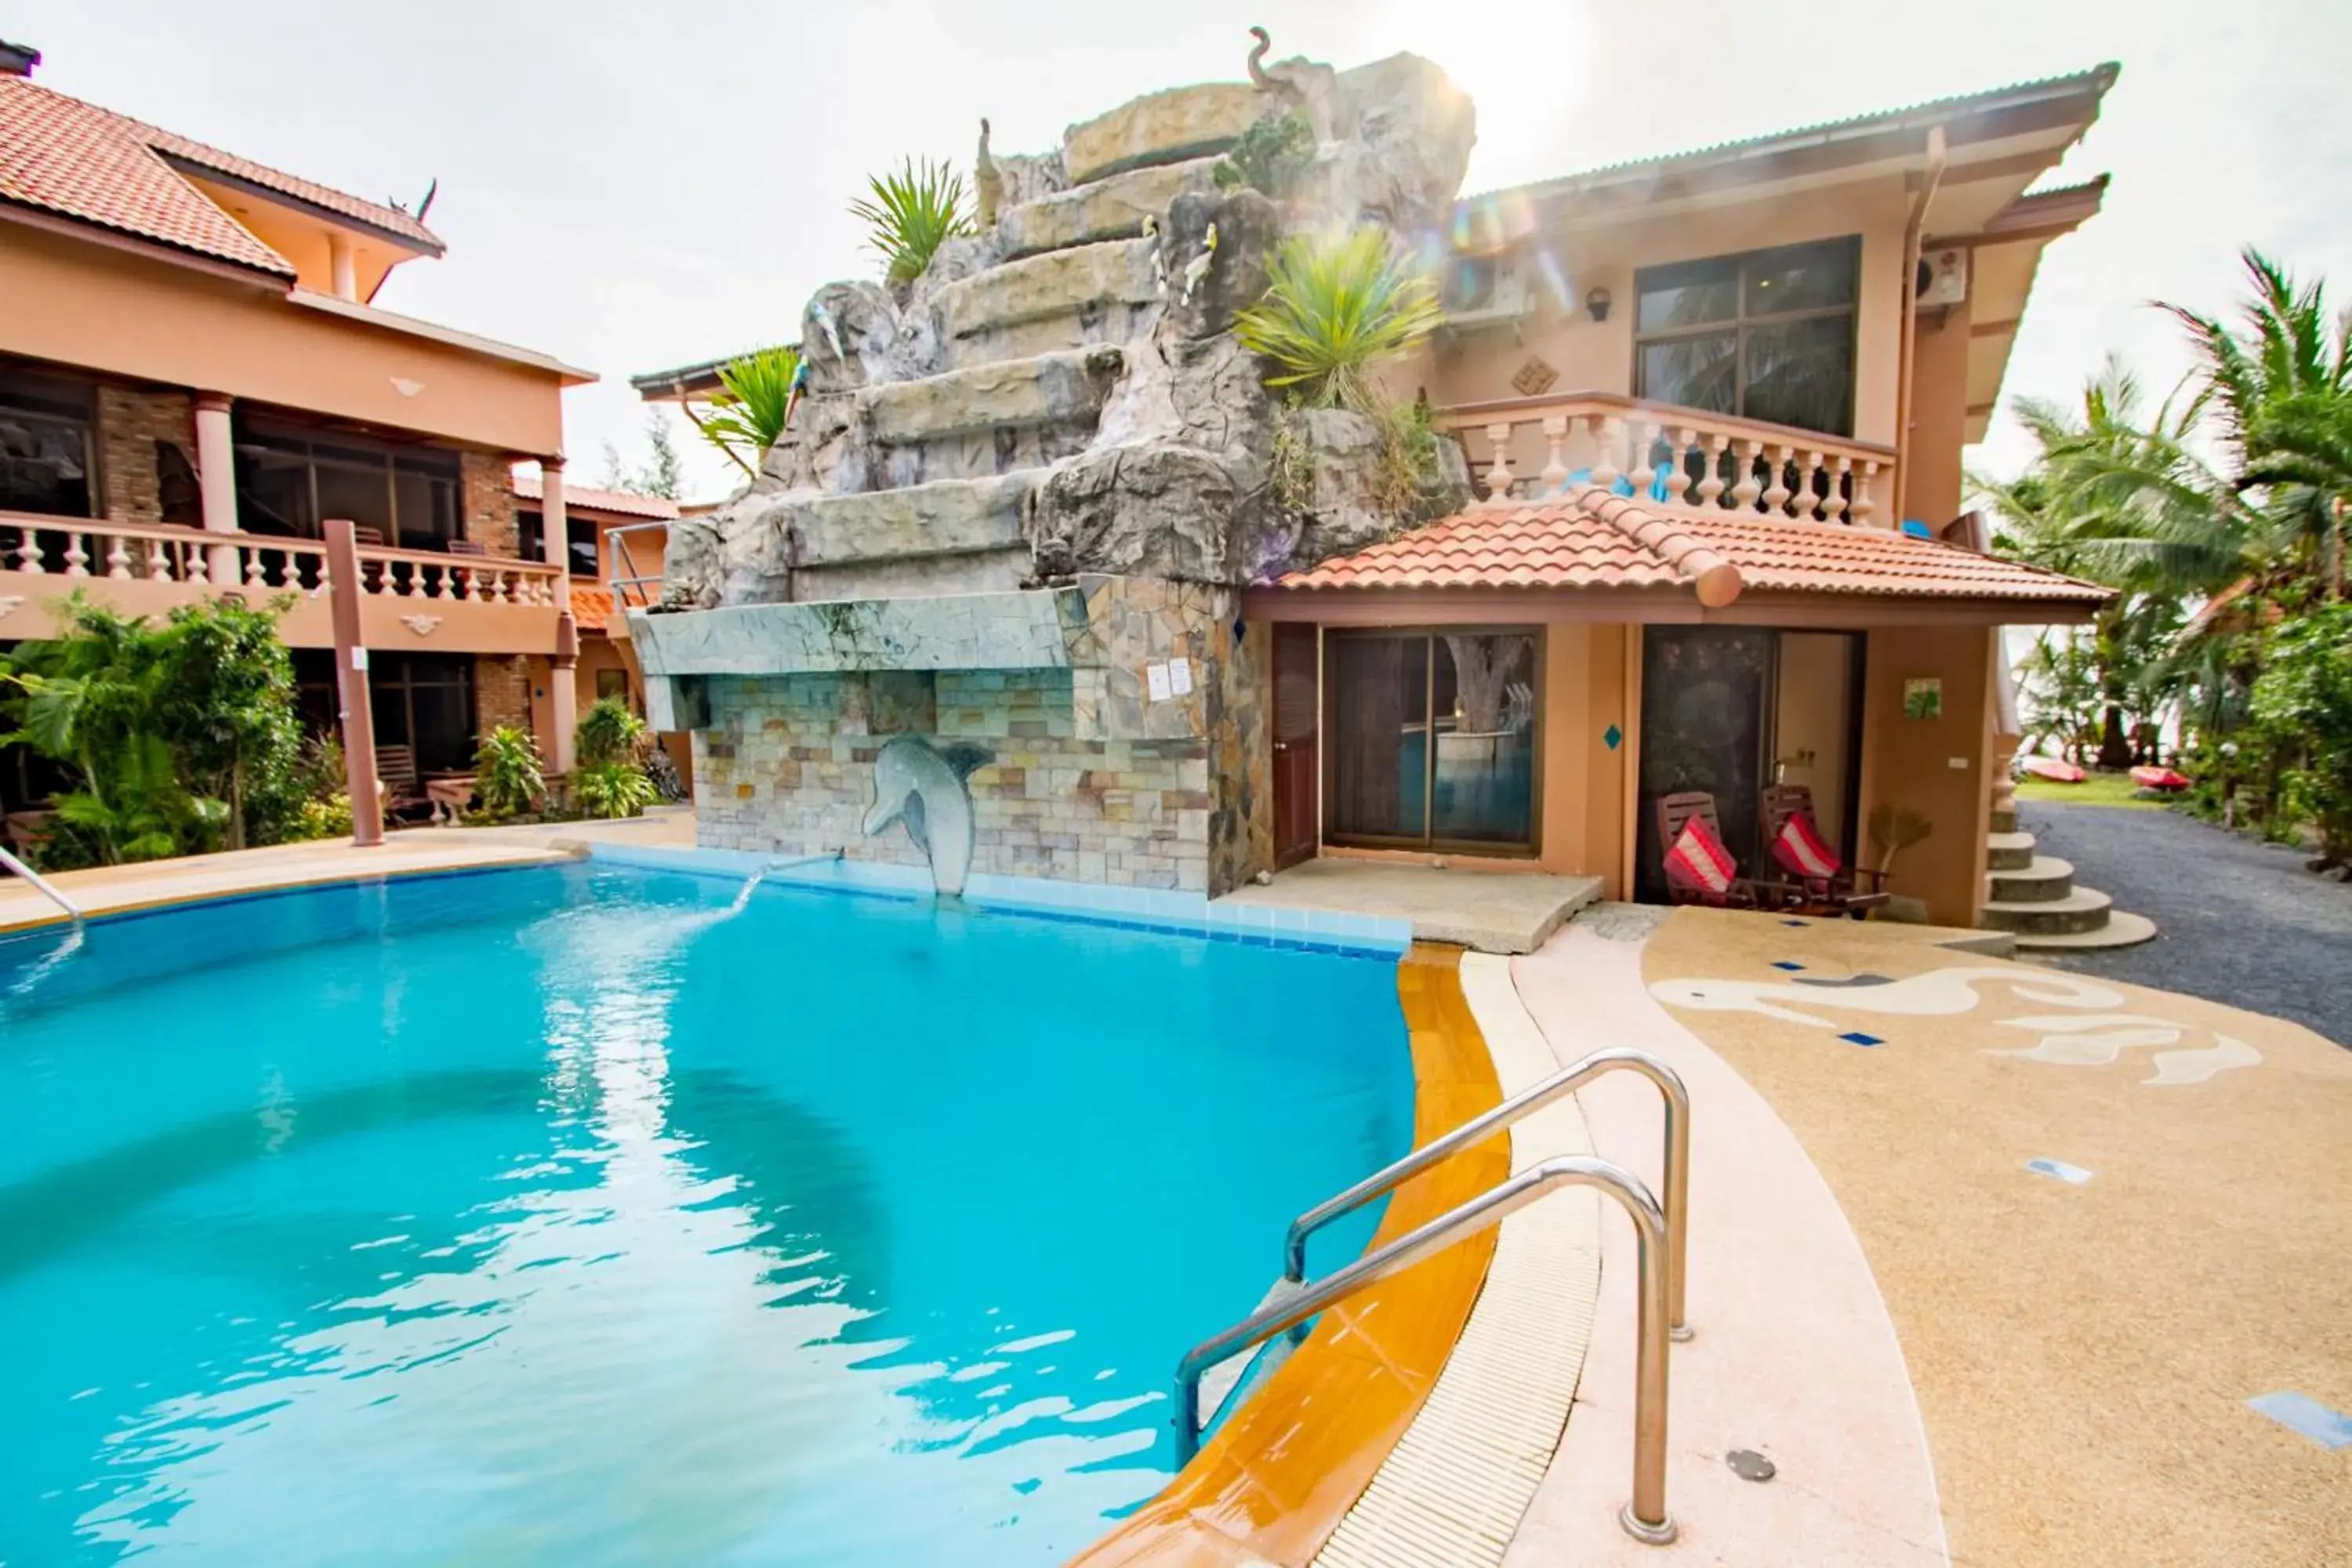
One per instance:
[(2081, 909), (989, 419), (1173, 126), (2123, 929), (1112, 208), (1062, 299), (2004, 821), (2008, 852), (951, 536), (2043, 880)]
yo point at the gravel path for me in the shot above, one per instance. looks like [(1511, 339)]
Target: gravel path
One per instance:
[(2238, 920)]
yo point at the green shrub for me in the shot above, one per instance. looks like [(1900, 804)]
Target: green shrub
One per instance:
[(747, 417), (506, 772), (1271, 156), (326, 818), (2301, 704), (1333, 308), (608, 732), (612, 789), (910, 213)]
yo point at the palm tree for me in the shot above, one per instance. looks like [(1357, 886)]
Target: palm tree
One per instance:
[(2284, 393)]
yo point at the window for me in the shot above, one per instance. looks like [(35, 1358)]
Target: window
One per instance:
[(290, 480), (1767, 335), (614, 683), (425, 701), (530, 527), (45, 447), (1434, 738)]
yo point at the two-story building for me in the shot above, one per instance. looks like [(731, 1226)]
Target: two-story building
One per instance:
[(194, 376)]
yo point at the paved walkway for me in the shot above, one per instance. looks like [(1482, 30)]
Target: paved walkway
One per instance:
[(2085, 1339), (2238, 920)]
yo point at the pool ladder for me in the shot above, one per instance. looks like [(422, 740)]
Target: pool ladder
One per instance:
[(42, 885), (1661, 1232)]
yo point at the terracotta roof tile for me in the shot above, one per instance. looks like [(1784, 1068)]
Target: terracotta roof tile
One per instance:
[(62, 155), (592, 608), (1590, 538), (526, 486)]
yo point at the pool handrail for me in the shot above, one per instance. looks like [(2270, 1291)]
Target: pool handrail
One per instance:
[(42, 885), (1559, 1086), (1645, 1517)]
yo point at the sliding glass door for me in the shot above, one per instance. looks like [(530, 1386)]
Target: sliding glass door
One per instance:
[(1433, 739)]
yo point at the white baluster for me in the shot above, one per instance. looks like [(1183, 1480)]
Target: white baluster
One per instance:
[(117, 559), (1834, 504), (256, 575), (1643, 472), (1808, 500), (76, 555), (1500, 478), (1710, 484), (1678, 482), (1555, 469), (29, 552), (1610, 437), (1743, 493), (195, 565), (159, 560), (437, 587), (1865, 504), (465, 577)]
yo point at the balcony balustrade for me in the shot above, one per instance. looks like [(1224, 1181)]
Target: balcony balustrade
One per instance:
[(415, 598), (1525, 447)]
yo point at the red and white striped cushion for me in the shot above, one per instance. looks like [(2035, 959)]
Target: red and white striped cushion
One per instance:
[(1698, 858), (1800, 851)]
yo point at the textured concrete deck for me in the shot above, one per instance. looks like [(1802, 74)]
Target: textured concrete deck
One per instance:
[(2104, 1218), (1491, 912)]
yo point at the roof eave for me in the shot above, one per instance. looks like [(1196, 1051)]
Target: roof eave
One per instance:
[(114, 236), (196, 168)]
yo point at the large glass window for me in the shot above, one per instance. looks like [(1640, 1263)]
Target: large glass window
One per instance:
[(1433, 737), (46, 450), (288, 480), (1767, 335), (579, 536), (425, 701)]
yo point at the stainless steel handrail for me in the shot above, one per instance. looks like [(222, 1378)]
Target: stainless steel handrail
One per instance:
[(634, 580), (1561, 1084), (42, 884), (1645, 1517)]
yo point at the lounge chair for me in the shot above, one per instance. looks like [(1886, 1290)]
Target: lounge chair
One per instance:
[(1829, 887), (397, 782), (1699, 868)]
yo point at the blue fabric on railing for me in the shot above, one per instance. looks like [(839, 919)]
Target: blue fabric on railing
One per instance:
[(1623, 487)]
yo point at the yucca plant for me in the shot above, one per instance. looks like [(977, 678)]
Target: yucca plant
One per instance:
[(747, 416), (506, 772), (1334, 306), (910, 213)]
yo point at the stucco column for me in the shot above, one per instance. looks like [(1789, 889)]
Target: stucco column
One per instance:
[(564, 692), (217, 484), (554, 537), (346, 271)]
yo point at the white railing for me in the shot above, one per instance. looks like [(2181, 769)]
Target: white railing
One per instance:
[(1531, 447), (77, 548)]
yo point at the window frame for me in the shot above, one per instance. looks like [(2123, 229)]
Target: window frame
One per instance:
[(313, 448), (59, 391), (1742, 320)]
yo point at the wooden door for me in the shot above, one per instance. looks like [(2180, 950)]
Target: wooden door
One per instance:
[(1296, 777)]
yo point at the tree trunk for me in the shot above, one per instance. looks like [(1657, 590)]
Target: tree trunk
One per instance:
[(237, 803), (2114, 749)]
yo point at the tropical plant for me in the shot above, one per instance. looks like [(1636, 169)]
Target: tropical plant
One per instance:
[(612, 789), (1333, 307), (2304, 699), (607, 733), (507, 775), (662, 474), (327, 819), (178, 737), (910, 213), (1272, 155), (1895, 828), (747, 416)]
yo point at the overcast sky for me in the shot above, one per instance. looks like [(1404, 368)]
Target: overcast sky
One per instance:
[(633, 186)]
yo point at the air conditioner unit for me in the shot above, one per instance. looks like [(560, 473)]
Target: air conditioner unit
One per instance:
[(1943, 277), (1511, 296)]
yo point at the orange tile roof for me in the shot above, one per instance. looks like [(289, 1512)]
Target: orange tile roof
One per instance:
[(527, 486), (592, 608), (62, 155), (1590, 538)]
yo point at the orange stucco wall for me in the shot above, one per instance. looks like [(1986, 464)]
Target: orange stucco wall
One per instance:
[(1585, 781), (77, 303), (1940, 414), (1934, 766), (1476, 366)]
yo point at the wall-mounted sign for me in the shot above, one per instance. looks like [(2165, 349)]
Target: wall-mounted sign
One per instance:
[(1923, 697)]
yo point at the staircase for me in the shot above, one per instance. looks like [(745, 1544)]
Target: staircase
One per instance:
[(2034, 896)]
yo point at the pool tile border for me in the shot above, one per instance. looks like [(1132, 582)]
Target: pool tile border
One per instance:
[(1143, 909)]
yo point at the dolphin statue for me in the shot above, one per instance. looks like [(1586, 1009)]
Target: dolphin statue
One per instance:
[(925, 787)]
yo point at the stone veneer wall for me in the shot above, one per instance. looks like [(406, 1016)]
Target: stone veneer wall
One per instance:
[(130, 423), (486, 503)]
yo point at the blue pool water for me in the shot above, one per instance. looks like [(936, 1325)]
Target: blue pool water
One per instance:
[(564, 1216)]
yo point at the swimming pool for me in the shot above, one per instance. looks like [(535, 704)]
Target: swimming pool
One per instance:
[(592, 1214)]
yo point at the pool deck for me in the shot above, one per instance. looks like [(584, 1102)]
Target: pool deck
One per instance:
[(1486, 910)]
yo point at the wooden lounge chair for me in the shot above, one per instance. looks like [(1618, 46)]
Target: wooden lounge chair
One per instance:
[(1693, 884), (396, 781), (1828, 887)]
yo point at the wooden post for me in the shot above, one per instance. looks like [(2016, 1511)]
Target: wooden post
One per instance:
[(343, 590)]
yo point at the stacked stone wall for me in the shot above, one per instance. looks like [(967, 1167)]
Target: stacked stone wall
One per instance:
[(486, 503), (130, 423)]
